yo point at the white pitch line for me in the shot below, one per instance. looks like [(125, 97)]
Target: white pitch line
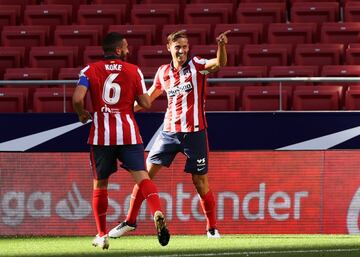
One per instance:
[(254, 253)]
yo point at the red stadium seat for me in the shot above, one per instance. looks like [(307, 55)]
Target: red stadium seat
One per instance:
[(12, 100), (319, 54), (209, 52), (11, 57), (78, 35), (50, 15), (104, 14), (352, 98), (9, 15), (264, 13), (18, 4), (53, 56), (317, 98), (266, 55), (25, 36), (341, 71), (317, 12), (342, 33), (263, 1), (293, 71), (69, 73), (352, 12), (208, 14), (75, 5), (240, 72), (92, 54), (136, 35), (220, 99), (241, 34), (264, 98), (353, 54), (291, 33), (153, 56), (155, 14), (198, 34), (28, 74), (95, 53), (52, 100)]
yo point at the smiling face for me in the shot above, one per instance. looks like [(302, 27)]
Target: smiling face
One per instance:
[(178, 46), (179, 51)]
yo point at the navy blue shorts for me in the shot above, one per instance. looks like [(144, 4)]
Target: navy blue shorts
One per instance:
[(104, 159), (192, 144)]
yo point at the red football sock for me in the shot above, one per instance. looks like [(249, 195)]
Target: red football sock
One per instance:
[(150, 193), (208, 206), (135, 203), (100, 205)]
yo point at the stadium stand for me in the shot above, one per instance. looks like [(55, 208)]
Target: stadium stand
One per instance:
[(221, 99), (211, 13), (53, 56), (78, 35), (153, 56), (266, 55), (52, 99), (12, 100), (264, 13), (28, 74), (319, 54), (155, 14), (317, 12), (48, 15), (69, 73), (104, 14), (9, 15), (266, 35), (241, 34), (352, 98), (25, 36), (352, 11), (264, 98), (352, 54), (11, 57), (291, 33), (198, 34), (342, 33), (316, 98), (136, 35)]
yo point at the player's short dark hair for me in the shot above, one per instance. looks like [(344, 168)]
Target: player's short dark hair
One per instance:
[(172, 37), (111, 41)]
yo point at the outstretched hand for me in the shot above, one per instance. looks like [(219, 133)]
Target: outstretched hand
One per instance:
[(222, 38)]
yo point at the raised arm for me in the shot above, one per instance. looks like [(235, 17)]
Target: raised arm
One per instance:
[(153, 93), (213, 65)]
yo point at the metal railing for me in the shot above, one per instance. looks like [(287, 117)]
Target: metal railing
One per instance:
[(280, 80)]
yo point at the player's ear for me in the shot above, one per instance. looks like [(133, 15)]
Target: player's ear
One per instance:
[(168, 47)]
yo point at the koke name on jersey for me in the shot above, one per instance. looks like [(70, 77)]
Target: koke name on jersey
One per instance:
[(180, 89), (113, 67)]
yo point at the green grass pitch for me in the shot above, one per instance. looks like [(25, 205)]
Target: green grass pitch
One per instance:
[(187, 246)]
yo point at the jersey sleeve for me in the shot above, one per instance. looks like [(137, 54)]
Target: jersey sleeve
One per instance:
[(200, 65), (140, 85), (84, 77)]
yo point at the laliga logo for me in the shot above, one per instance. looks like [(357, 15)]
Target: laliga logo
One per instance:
[(352, 220), (105, 109)]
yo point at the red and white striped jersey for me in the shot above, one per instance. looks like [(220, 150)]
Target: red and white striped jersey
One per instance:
[(185, 89), (114, 86)]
